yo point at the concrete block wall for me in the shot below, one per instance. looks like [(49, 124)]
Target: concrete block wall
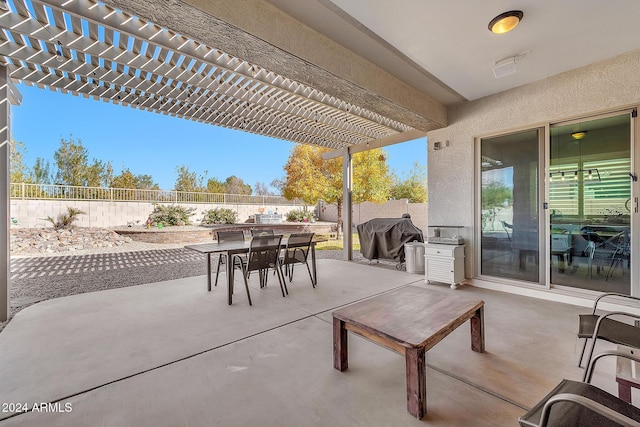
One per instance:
[(392, 209), (105, 214)]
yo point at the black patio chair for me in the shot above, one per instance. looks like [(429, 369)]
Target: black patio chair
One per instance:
[(297, 252), (602, 250), (507, 227), (580, 404), (621, 254), (263, 254), (595, 326), (590, 252), (227, 236), (262, 232)]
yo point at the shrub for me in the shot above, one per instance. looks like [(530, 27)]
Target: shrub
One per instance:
[(171, 215), (65, 220), (220, 216), (299, 215)]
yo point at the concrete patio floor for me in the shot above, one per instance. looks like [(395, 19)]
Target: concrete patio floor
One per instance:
[(173, 354)]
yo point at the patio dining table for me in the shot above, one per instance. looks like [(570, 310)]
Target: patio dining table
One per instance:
[(230, 248)]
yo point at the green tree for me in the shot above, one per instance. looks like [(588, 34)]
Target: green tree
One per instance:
[(18, 171), (187, 180), (126, 179), (145, 182), (71, 161), (413, 187), (312, 178), (42, 172), (495, 195), (99, 174), (214, 185), (73, 167), (235, 185), (107, 174)]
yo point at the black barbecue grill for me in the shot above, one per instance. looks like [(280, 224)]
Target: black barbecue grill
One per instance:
[(384, 238)]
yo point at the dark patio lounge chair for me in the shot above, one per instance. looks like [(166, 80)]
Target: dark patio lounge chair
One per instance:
[(608, 329), (580, 404)]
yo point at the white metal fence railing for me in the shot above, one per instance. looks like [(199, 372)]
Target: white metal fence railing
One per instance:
[(70, 192)]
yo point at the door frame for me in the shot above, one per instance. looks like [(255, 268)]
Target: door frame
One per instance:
[(544, 220)]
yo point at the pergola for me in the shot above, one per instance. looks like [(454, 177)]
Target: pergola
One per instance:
[(194, 65)]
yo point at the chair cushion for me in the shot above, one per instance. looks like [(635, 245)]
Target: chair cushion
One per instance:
[(569, 414), (610, 330)]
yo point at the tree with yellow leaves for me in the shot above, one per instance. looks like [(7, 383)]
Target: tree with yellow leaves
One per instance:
[(312, 178)]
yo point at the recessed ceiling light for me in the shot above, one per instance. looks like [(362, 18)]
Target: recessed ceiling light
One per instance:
[(505, 22)]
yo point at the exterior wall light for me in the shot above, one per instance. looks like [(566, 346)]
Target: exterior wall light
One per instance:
[(505, 22)]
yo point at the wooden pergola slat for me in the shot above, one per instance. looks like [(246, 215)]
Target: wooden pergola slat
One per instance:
[(157, 69)]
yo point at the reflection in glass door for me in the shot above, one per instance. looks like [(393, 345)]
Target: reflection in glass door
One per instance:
[(510, 209), (589, 204)]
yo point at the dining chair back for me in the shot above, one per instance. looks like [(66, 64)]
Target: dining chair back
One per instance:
[(227, 236), (297, 252), (262, 232), (263, 255)]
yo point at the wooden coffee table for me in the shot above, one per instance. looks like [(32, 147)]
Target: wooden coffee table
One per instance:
[(409, 321)]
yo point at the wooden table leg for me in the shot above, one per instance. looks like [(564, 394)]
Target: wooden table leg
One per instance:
[(209, 271), (477, 331), (340, 349), (416, 382)]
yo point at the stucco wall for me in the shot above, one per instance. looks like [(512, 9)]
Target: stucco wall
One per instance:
[(392, 209), (33, 213), (596, 88)]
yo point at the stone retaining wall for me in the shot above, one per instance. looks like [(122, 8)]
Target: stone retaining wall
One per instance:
[(195, 235), (167, 235), (106, 214)]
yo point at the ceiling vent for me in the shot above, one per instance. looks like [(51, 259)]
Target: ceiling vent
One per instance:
[(507, 67)]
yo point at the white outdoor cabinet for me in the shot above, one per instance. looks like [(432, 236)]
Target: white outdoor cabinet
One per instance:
[(444, 263)]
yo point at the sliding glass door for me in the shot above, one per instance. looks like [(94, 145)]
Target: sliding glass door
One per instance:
[(590, 204), (571, 226), (510, 217)]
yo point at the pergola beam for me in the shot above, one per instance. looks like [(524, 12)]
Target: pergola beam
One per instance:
[(264, 35), (157, 69), (378, 143)]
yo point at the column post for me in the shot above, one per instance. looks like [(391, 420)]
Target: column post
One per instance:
[(5, 214), (347, 186)]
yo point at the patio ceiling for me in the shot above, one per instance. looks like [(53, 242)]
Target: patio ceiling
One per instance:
[(87, 48)]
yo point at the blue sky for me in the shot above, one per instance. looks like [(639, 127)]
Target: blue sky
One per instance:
[(155, 144)]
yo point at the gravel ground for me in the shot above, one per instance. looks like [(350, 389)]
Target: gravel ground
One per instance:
[(39, 278)]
